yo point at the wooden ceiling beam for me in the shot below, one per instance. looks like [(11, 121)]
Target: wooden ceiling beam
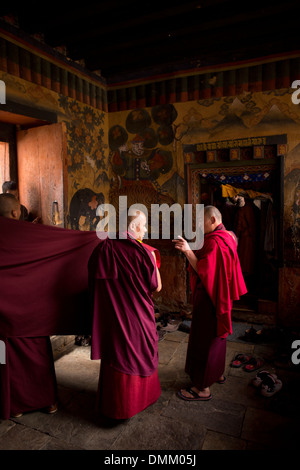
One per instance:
[(140, 20), (237, 24), (201, 52), (193, 38)]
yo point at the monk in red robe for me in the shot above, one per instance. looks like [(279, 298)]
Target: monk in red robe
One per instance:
[(123, 274), (27, 379), (216, 280)]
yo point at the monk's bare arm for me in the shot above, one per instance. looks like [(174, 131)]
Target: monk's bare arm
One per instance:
[(159, 286), (183, 246)]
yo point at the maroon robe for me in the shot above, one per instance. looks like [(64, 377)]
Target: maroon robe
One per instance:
[(43, 291), (217, 282), (124, 335), (43, 279), (28, 380)]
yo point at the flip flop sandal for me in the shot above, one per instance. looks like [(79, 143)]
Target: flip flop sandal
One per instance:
[(253, 364), (262, 376), (240, 360), (196, 397), (269, 388)]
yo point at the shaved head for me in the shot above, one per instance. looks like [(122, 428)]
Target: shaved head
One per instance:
[(212, 211), (132, 215), (212, 218), (9, 206), (137, 221)]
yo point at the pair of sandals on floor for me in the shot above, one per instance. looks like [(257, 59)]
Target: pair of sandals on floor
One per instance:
[(268, 383), (248, 362)]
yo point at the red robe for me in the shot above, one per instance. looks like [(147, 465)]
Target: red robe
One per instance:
[(219, 270), (124, 335), (217, 282)]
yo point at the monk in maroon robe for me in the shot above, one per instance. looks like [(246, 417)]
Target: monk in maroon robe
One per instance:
[(123, 274), (27, 381), (43, 292), (216, 280)]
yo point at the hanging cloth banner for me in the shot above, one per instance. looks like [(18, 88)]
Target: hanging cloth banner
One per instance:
[(231, 191)]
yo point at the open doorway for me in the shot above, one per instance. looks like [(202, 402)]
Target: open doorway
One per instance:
[(215, 172), (32, 153), (256, 222), (4, 163)]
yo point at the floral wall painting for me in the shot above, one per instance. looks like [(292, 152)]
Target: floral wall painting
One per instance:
[(85, 134), (87, 162)]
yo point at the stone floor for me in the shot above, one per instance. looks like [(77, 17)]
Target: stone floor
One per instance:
[(237, 418)]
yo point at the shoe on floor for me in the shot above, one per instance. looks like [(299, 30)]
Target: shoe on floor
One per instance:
[(240, 360), (254, 364), (261, 377), (269, 389), (17, 415), (52, 409)]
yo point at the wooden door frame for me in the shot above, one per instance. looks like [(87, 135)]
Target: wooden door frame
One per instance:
[(8, 134), (8, 130), (26, 138)]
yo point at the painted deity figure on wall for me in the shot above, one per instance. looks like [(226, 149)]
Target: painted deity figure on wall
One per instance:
[(136, 163)]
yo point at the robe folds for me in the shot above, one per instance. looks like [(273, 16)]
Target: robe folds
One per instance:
[(43, 279), (123, 276), (219, 271), (217, 282), (27, 380), (121, 396), (43, 292)]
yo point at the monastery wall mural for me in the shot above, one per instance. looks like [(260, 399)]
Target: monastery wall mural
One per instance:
[(147, 141)]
